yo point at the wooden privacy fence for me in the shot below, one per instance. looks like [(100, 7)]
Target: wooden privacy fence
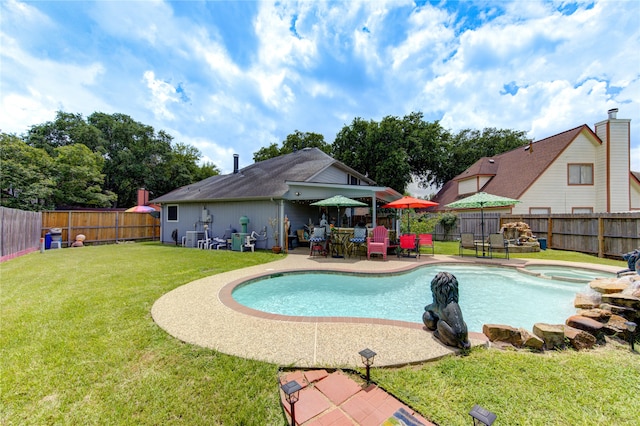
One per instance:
[(470, 223), (603, 234), (20, 232), (101, 227)]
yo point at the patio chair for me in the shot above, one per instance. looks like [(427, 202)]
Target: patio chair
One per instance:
[(467, 241), (498, 243), (204, 243), (303, 237), (408, 245), (250, 242), (358, 240), (378, 243), (318, 241), (426, 240), (222, 242)]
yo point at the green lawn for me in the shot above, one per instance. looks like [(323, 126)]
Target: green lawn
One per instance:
[(78, 346)]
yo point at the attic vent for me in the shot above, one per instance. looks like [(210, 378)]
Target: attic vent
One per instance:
[(526, 148), (492, 161)]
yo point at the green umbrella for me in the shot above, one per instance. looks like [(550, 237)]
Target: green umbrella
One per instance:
[(339, 201), (481, 200)]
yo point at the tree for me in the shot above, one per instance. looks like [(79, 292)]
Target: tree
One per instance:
[(78, 178), (458, 152), (294, 142), (25, 175)]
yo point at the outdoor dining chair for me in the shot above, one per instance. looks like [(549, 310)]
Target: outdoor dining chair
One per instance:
[(318, 241), (467, 241), (407, 245), (358, 240), (426, 240)]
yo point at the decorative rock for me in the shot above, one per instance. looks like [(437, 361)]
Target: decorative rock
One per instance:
[(586, 324), (620, 310), (503, 333), (586, 301), (551, 334), (599, 315), (615, 325), (624, 300), (579, 339), (530, 341), (608, 285)]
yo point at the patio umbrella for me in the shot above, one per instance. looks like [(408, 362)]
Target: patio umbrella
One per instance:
[(140, 209), (407, 202), (481, 200), (339, 201)]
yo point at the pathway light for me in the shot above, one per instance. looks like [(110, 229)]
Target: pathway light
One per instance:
[(367, 359), (482, 416), (292, 394)]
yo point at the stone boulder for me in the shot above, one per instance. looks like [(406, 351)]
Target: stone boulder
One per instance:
[(630, 314), (615, 325), (531, 341), (600, 315), (624, 300), (608, 285), (551, 334), (586, 301), (579, 339), (503, 333), (589, 325)]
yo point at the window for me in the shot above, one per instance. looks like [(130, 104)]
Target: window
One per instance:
[(580, 174), (352, 180), (172, 213), (540, 210), (582, 210)]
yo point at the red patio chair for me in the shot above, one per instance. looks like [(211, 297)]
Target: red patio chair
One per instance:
[(407, 245), (426, 240)]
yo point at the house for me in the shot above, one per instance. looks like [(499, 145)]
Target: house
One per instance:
[(576, 171), (276, 188)]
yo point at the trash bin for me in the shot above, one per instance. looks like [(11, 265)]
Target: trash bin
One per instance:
[(56, 238), (543, 243), (47, 241)]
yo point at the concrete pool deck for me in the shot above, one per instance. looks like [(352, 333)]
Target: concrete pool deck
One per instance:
[(203, 313)]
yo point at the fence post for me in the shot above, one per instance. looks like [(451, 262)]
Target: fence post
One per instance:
[(600, 236), (549, 232)]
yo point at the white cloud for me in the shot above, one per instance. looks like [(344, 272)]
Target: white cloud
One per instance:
[(161, 93)]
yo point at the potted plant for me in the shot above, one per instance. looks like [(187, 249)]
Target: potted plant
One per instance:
[(273, 222)]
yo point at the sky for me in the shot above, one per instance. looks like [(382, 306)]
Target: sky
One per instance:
[(230, 77)]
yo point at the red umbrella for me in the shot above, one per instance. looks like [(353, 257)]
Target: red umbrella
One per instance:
[(407, 202)]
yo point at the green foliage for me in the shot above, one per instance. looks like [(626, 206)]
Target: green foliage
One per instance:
[(73, 354), (133, 155), (458, 152), (294, 142), (448, 221), (25, 175), (78, 178)]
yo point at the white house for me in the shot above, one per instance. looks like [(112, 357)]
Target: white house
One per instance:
[(576, 171)]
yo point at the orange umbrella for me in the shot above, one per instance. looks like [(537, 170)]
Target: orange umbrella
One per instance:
[(407, 202)]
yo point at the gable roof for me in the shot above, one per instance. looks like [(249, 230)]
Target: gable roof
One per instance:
[(262, 180), (513, 172)]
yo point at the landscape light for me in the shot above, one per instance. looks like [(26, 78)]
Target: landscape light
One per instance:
[(631, 326), (292, 394), (367, 359), (482, 416)]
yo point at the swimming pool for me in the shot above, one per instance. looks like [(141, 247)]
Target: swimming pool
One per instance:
[(488, 295), (563, 272)]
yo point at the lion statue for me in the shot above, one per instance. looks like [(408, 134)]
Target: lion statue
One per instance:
[(633, 261), (444, 316)]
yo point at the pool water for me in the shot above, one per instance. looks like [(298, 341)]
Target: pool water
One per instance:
[(488, 295), (585, 275)]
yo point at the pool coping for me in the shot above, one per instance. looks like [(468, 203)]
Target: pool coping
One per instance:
[(203, 313)]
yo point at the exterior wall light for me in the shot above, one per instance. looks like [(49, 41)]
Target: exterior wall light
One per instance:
[(367, 359), (481, 416), (292, 394)]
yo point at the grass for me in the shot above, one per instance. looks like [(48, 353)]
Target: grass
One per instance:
[(78, 346)]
